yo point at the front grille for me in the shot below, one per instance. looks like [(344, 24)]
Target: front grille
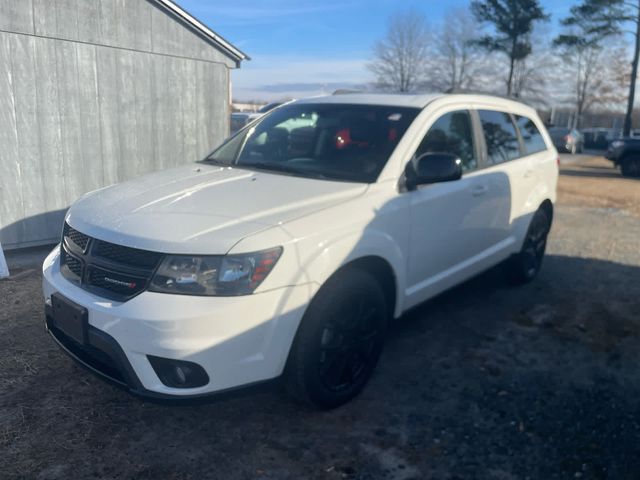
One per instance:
[(73, 265), (75, 237), (114, 282), (109, 270), (129, 256)]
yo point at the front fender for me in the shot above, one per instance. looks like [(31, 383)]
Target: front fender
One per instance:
[(339, 252)]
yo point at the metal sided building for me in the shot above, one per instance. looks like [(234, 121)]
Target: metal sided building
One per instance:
[(94, 92)]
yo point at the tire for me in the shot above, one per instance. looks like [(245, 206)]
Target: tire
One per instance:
[(525, 265), (339, 341), (630, 167)]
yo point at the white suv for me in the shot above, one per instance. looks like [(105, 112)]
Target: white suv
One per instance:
[(290, 248)]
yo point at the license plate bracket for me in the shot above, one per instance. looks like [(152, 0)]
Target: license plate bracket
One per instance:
[(70, 318)]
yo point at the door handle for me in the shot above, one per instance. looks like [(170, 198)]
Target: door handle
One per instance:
[(479, 190), (528, 173)]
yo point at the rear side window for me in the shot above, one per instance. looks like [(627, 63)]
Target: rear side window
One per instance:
[(500, 136), (531, 136), (452, 133)]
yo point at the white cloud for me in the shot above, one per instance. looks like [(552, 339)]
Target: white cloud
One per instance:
[(271, 77)]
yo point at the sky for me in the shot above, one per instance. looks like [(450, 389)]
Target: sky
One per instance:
[(300, 48)]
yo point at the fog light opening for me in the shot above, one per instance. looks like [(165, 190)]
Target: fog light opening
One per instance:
[(178, 373), (181, 377)]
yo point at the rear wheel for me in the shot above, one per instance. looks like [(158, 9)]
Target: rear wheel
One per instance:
[(339, 341), (630, 167), (525, 265)]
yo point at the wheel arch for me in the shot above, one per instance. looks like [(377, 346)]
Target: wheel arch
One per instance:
[(383, 272)]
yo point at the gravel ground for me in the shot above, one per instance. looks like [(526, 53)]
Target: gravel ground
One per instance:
[(487, 381)]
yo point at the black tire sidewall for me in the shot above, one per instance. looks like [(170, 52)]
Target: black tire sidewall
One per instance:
[(631, 167), (303, 365), (518, 268)]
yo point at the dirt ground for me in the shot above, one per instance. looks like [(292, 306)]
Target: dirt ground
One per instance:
[(486, 381), (584, 184)]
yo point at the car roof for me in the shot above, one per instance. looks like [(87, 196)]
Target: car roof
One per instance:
[(411, 100), (394, 100)]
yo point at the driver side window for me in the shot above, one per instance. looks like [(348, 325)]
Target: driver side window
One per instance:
[(453, 134)]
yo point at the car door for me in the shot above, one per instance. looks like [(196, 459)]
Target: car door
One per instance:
[(508, 175), (529, 174), (447, 224)]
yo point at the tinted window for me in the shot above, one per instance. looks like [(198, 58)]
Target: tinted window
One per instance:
[(452, 133), (531, 137), (324, 141), (500, 135)]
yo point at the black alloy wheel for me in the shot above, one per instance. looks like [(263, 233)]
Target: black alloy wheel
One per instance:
[(526, 265), (339, 340)]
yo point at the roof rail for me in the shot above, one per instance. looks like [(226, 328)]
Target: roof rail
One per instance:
[(470, 91), (346, 91)]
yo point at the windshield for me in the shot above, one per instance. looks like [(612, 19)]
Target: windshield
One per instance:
[(326, 141), (268, 107)]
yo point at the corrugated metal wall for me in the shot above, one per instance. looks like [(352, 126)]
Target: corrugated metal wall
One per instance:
[(93, 92)]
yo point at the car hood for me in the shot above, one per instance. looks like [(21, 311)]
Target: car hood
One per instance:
[(201, 209)]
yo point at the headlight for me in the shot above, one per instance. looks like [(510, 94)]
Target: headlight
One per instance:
[(617, 143), (218, 275)]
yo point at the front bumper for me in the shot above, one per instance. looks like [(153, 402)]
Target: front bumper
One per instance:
[(237, 340)]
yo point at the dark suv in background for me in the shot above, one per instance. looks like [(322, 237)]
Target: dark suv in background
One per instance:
[(625, 152)]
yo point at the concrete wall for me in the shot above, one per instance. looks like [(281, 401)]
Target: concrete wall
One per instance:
[(93, 92)]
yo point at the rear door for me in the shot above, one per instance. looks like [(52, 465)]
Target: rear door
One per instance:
[(516, 156), (505, 172), (534, 175)]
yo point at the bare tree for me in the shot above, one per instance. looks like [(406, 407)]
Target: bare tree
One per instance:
[(529, 79), (454, 63), (592, 83), (401, 56), (595, 77), (599, 19), (533, 76)]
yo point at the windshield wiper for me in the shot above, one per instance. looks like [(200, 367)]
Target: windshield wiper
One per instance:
[(284, 168), (213, 161)]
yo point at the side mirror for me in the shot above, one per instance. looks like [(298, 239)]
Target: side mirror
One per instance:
[(432, 168)]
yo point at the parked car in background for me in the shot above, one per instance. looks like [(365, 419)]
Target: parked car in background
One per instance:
[(598, 138), (240, 119), (289, 249), (566, 139), (625, 153)]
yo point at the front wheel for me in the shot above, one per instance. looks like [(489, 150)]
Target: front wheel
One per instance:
[(630, 167), (525, 265), (339, 341)]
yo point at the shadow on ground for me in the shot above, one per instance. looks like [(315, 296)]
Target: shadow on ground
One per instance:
[(486, 381), (592, 174)]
